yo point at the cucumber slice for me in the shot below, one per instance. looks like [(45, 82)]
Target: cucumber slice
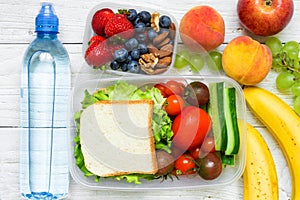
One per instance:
[(216, 112), (233, 135)]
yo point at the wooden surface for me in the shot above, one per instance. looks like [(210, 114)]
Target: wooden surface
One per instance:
[(17, 31)]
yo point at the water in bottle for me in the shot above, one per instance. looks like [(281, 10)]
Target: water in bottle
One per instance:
[(45, 89)]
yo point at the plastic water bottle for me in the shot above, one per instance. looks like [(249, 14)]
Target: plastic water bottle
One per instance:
[(45, 89)]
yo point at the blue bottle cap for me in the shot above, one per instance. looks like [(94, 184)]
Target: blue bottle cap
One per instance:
[(46, 20)]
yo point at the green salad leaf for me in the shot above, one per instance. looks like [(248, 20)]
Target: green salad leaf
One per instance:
[(121, 90)]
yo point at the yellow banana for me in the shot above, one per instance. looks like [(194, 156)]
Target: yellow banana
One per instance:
[(283, 123), (260, 177)]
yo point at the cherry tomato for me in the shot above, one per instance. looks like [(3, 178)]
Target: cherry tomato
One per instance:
[(165, 162), (208, 144), (174, 87), (197, 93), (210, 167), (195, 153), (176, 152), (185, 164), (174, 104), (162, 88), (190, 128)]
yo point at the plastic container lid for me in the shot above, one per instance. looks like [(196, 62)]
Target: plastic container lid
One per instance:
[(46, 20)]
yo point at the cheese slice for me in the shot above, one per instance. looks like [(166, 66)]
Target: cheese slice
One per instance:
[(116, 138)]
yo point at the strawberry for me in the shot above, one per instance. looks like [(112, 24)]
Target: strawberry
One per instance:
[(119, 24), (98, 53), (100, 19), (96, 37)]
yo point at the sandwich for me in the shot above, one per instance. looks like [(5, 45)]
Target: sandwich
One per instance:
[(116, 138), (118, 131)]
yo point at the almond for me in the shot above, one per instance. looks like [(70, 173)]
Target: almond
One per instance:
[(164, 42), (152, 49), (160, 38), (159, 70), (164, 62), (166, 50)]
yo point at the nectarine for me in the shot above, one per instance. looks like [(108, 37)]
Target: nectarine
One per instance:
[(246, 60), (202, 27)]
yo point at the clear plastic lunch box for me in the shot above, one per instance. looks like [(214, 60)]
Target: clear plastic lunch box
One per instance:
[(229, 173), (115, 7)]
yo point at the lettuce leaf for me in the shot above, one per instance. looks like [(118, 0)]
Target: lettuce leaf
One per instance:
[(121, 90)]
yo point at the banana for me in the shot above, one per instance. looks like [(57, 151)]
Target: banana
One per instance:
[(260, 177), (283, 123)]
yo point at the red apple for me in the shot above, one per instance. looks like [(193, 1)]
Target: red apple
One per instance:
[(265, 17)]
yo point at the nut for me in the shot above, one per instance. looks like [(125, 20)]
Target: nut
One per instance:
[(160, 38), (164, 42), (172, 30), (155, 21), (164, 62), (159, 71), (152, 49), (148, 63), (166, 50)]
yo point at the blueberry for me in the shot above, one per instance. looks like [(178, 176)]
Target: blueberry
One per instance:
[(131, 44), (141, 38), (129, 58), (143, 48), (139, 27), (132, 15), (114, 65), (120, 55), (145, 16), (124, 66), (152, 34), (148, 24), (165, 21), (136, 21), (133, 66), (135, 54)]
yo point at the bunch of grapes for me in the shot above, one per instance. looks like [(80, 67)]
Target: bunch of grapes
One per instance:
[(196, 61), (286, 62)]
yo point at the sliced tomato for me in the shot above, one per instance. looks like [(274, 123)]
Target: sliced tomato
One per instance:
[(190, 128)]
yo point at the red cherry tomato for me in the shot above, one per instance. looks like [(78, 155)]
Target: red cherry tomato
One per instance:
[(162, 88), (208, 145), (174, 104), (185, 164), (190, 128), (176, 152), (174, 87), (195, 153)]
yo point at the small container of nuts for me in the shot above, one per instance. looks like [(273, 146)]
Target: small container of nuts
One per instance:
[(129, 40)]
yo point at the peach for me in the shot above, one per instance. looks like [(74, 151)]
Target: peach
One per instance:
[(246, 60), (202, 27)]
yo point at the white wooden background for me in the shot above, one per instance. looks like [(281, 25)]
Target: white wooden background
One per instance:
[(17, 31)]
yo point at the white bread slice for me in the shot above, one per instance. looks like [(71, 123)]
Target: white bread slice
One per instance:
[(116, 138)]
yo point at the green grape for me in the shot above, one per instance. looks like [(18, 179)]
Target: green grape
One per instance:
[(296, 89), (284, 81), (276, 63), (196, 62), (292, 49), (214, 61), (297, 63), (297, 105), (274, 44), (181, 60)]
